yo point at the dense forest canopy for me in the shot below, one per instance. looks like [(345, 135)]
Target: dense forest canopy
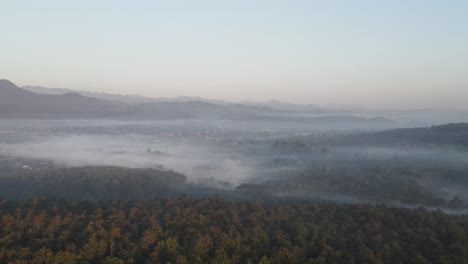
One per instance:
[(185, 230), (89, 182)]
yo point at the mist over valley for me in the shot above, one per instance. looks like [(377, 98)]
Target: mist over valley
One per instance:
[(244, 151)]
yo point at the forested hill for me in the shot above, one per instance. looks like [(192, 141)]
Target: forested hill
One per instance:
[(182, 230), (455, 134), (89, 182)]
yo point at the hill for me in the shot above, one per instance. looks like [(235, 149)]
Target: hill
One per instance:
[(453, 134), (131, 99), (16, 102), (127, 99)]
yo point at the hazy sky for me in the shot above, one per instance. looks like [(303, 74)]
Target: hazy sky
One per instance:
[(406, 54)]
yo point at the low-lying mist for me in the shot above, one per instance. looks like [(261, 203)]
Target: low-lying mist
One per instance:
[(255, 160), (196, 161)]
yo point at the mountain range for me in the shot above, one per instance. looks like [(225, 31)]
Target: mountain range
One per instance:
[(17, 102), (41, 102), (128, 99)]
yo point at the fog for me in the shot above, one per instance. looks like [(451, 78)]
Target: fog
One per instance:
[(199, 150), (254, 159), (197, 161)]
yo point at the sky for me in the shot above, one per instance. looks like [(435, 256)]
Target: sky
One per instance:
[(376, 54)]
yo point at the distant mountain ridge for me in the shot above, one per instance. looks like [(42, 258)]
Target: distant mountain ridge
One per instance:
[(16, 102), (138, 99), (128, 99)]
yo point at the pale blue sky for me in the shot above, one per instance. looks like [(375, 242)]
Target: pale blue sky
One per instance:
[(405, 54)]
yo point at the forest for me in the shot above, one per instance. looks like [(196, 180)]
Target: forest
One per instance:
[(206, 194), (88, 182), (216, 230)]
